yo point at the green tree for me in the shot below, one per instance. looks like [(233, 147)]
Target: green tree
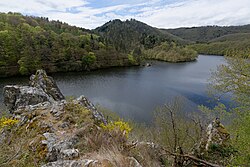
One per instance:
[(89, 59), (234, 78)]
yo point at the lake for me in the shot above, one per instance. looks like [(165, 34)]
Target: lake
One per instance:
[(135, 92)]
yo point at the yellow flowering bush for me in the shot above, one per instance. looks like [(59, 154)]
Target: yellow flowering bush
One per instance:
[(117, 125), (7, 122)]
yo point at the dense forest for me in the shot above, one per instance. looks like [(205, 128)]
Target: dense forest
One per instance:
[(216, 40), (141, 40), (207, 33), (30, 43)]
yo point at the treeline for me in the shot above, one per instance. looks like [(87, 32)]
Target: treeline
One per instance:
[(216, 40), (207, 33), (228, 48), (29, 43), (171, 53)]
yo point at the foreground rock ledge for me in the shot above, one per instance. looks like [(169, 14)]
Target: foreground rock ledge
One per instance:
[(43, 100)]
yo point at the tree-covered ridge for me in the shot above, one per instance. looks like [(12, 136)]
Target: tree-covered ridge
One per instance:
[(216, 40), (207, 33), (139, 39), (130, 34), (29, 43)]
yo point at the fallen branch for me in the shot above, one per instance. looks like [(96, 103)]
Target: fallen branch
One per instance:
[(196, 159)]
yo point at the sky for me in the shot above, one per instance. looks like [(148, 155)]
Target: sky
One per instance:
[(158, 13)]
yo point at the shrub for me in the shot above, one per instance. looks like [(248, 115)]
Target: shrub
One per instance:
[(131, 59), (119, 126), (7, 122), (89, 59)]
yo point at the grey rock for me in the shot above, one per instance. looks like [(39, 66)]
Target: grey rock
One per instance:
[(69, 154), (57, 108), (98, 116), (59, 149), (21, 96), (42, 89), (41, 81)]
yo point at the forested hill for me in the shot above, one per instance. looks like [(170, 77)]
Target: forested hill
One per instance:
[(230, 41), (30, 43), (207, 33), (129, 34), (141, 40)]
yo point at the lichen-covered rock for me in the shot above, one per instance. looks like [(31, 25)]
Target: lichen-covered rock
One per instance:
[(69, 154), (20, 96), (41, 81), (42, 88), (58, 148)]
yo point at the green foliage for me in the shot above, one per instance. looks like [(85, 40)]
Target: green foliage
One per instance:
[(131, 34), (171, 53), (174, 128), (239, 48), (121, 126), (131, 59), (30, 43), (241, 127), (234, 78), (77, 114), (207, 33), (89, 59)]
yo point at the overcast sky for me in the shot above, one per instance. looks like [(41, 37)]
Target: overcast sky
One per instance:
[(158, 13)]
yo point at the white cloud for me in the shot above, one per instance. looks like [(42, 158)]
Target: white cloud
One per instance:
[(200, 12), (158, 13)]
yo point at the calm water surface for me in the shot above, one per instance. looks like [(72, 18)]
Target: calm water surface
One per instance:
[(135, 92)]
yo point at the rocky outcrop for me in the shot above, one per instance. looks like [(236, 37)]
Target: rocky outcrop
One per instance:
[(46, 83), (42, 104), (42, 88), (20, 96)]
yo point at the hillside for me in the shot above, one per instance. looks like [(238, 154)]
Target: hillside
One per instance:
[(141, 40), (130, 34), (216, 40), (29, 43), (207, 33)]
